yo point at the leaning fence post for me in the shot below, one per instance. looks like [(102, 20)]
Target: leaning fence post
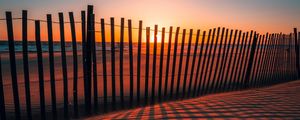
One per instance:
[(154, 65), (12, 58), (138, 80), (51, 65), (94, 64), (75, 68), (25, 63), (249, 68), (147, 64), (161, 64), (64, 64), (180, 63), (40, 69), (113, 77), (88, 61), (104, 65), (121, 62), (174, 62), (168, 63), (131, 60), (187, 63), (2, 102)]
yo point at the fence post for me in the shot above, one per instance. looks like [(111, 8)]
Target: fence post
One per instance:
[(198, 65), (113, 75), (88, 61), (187, 63), (12, 58), (25, 63), (64, 64), (297, 51), (2, 102), (104, 64), (154, 65), (174, 62), (131, 60), (121, 62), (94, 62), (51, 65), (249, 68), (40, 68), (138, 80), (147, 64), (161, 63), (168, 63), (180, 63), (75, 68)]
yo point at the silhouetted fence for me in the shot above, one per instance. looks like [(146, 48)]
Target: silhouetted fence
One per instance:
[(117, 73)]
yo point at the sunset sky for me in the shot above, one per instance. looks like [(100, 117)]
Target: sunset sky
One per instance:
[(260, 15)]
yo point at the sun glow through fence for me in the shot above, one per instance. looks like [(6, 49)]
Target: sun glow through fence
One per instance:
[(152, 37)]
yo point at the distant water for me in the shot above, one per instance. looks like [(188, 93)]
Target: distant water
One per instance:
[(56, 46), (68, 46)]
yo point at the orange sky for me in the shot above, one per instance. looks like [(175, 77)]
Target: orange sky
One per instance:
[(260, 15)]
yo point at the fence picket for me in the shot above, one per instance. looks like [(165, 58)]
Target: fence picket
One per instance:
[(25, 63), (131, 60), (51, 66), (168, 63), (180, 63), (121, 62), (187, 63), (161, 61), (174, 63), (138, 80), (64, 64), (75, 64), (12, 58), (147, 65), (105, 105), (40, 69), (154, 65)]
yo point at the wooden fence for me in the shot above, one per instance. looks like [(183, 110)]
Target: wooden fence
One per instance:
[(213, 61)]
